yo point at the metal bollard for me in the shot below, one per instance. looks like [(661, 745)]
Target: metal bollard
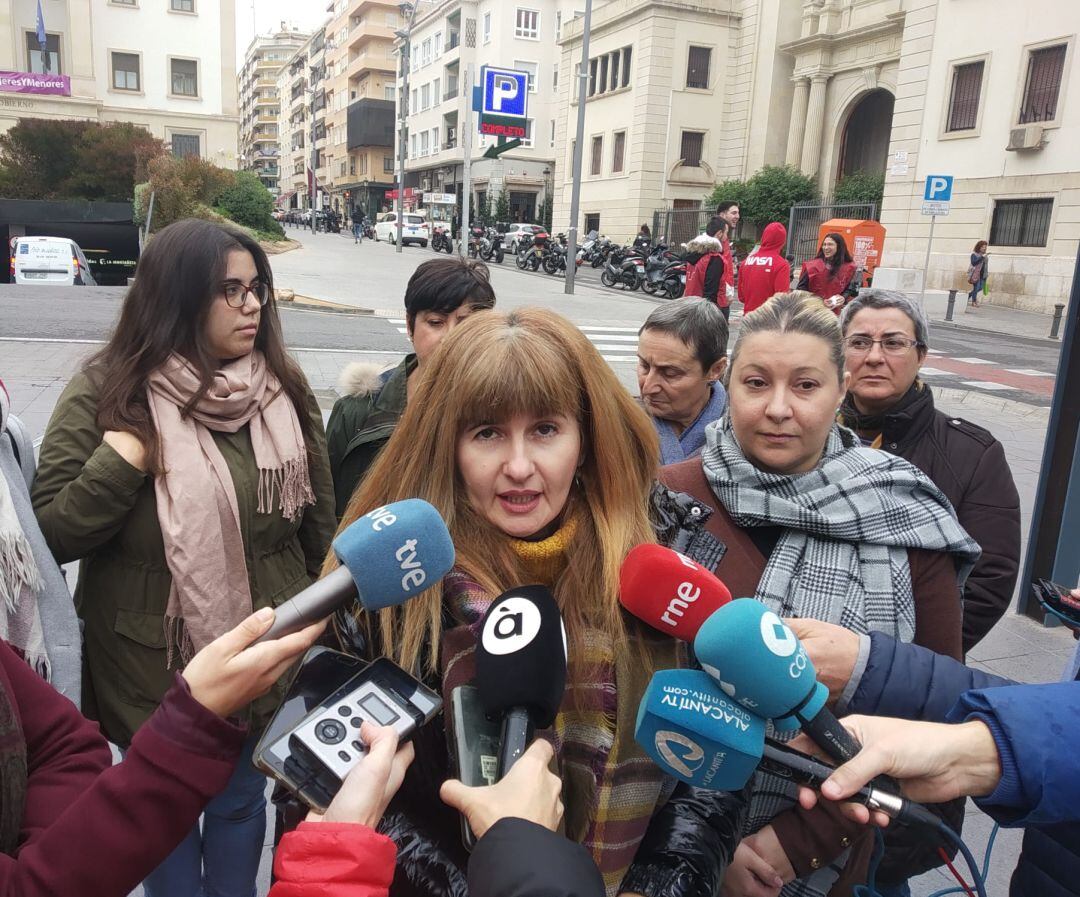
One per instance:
[(952, 303), (1055, 325)]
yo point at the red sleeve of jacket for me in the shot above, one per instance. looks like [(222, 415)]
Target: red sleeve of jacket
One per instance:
[(95, 829), (339, 859), (782, 276), (729, 265)]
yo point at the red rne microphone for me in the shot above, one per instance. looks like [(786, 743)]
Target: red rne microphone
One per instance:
[(670, 592)]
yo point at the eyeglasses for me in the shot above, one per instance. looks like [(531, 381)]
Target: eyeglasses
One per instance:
[(236, 293), (890, 345)]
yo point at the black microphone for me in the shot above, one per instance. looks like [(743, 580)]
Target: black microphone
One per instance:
[(521, 667)]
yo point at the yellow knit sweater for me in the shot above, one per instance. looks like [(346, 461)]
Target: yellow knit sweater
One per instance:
[(545, 560)]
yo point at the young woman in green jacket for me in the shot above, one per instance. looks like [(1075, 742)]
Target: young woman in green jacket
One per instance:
[(185, 468)]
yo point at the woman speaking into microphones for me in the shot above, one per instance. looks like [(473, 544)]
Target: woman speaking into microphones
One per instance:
[(542, 466)]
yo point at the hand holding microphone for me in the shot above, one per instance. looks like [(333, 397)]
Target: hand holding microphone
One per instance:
[(387, 556)]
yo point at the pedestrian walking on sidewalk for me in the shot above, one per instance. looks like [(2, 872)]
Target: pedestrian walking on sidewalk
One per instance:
[(357, 229), (978, 271), (185, 467)]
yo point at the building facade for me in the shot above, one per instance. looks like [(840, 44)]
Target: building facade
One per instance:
[(260, 102), (168, 66), (302, 124), (448, 46)]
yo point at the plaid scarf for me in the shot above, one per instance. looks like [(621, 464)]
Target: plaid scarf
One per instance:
[(843, 556), (610, 788)]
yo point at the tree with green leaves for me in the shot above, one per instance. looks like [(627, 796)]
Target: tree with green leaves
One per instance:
[(75, 160), (247, 201), (861, 186), (501, 211), (768, 195)]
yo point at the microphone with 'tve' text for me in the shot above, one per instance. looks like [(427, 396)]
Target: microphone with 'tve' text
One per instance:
[(386, 556), (696, 733), (521, 667), (747, 649)]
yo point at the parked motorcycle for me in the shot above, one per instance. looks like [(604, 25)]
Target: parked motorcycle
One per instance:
[(657, 266), (624, 268), (531, 250), (554, 260), (491, 246), (440, 240)]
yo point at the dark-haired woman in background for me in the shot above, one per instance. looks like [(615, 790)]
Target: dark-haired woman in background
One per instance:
[(185, 467), (978, 271), (829, 274)]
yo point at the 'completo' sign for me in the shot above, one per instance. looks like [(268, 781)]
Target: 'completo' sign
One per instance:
[(31, 82)]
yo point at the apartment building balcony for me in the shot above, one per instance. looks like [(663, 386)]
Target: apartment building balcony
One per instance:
[(374, 59), (367, 31)]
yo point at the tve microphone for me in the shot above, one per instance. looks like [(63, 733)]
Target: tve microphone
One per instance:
[(387, 556), (693, 732), (761, 664), (521, 667), (669, 591)]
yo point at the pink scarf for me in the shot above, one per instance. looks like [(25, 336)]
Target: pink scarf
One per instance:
[(196, 497)]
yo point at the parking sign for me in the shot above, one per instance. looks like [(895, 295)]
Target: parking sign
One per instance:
[(938, 188), (505, 92)]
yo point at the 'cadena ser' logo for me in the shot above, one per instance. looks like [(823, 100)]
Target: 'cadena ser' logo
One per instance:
[(689, 756), (512, 625), (776, 636)]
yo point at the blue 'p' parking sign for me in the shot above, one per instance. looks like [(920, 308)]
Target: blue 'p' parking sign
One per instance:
[(505, 93), (938, 188)]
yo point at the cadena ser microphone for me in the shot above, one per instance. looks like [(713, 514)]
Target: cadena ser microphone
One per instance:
[(761, 664), (695, 733), (521, 667), (669, 591), (387, 556)]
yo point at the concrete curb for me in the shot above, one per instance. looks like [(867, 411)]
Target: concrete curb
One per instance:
[(956, 325), (288, 299), (983, 402)]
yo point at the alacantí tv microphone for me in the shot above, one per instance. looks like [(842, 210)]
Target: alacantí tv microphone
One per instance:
[(669, 591), (760, 664), (521, 667), (695, 733), (387, 556)]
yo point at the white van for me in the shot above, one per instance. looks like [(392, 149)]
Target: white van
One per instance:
[(56, 261)]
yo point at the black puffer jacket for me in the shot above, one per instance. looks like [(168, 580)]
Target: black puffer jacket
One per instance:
[(689, 842), (968, 464)]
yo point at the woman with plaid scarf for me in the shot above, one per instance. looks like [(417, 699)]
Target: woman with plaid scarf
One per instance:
[(542, 466), (815, 525)]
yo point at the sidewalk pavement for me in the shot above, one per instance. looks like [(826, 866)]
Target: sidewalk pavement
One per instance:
[(991, 318)]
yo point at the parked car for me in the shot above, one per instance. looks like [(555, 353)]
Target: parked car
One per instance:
[(57, 261), (514, 234), (415, 229)]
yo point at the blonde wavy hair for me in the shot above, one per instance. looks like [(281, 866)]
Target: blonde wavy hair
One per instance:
[(493, 366)]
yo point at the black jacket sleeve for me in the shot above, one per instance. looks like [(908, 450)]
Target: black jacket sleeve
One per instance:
[(516, 858), (714, 278), (689, 844), (990, 512)]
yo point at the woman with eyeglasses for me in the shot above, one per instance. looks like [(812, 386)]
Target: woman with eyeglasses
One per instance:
[(889, 406), (815, 525), (185, 468)]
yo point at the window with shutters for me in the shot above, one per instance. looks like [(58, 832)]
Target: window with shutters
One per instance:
[(184, 145), (597, 162), (527, 24), (964, 98), (184, 77), (690, 151), (618, 151), (125, 71), (697, 68), (1021, 222), (1042, 84)]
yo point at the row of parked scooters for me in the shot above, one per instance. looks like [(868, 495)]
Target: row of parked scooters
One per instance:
[(656, 269)]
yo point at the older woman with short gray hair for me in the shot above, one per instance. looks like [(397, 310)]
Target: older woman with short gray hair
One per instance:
[(682, 356), (886, 339)]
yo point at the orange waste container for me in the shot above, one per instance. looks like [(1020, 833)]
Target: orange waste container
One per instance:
[(865, 241)]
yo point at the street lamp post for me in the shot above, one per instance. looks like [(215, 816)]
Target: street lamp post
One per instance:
[(575, 193), (314, 152), (405, 37)]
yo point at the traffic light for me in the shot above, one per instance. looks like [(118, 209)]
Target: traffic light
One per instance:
[(348, 194)]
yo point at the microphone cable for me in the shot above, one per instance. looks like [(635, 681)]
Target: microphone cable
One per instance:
[(976, 889)]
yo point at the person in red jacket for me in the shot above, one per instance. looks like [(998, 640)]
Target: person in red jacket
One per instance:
[(728, 212), (765, 272), (71, 823), (830, 273), (705, 271)]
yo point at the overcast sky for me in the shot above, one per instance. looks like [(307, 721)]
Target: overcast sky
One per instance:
[(304, 14)]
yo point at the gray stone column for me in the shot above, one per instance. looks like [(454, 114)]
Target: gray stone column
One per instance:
[(815, 122), (798, 122)]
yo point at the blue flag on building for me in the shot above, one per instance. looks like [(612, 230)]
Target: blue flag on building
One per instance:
[(41, 36)]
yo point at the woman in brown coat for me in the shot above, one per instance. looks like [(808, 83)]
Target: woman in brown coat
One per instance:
[(815, 525)]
